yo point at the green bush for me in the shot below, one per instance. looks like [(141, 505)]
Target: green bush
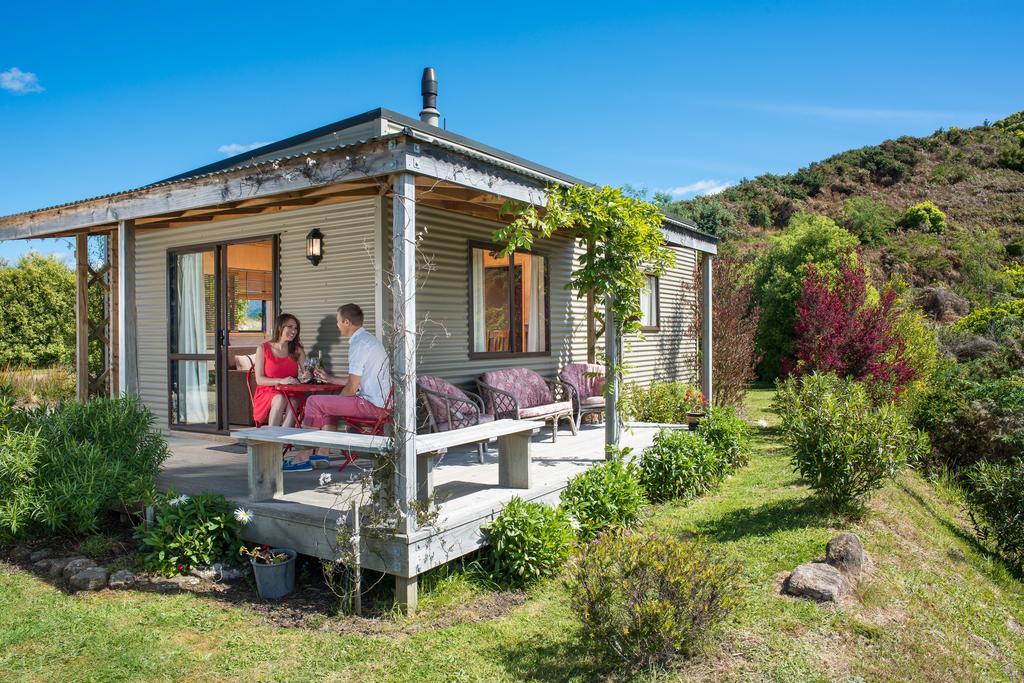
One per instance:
[(189, 532), (529, 541), (659, 402), (779, 274), (708, 214), (679, 466), (923, 217), (996, 321), (645, 598), (995, 498), (62, 469), (869, 220), (728, 435), (37, 312), (844, 447), (1012, 159), (605, 496)]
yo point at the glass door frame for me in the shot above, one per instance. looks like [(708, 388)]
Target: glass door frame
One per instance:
[(221, 331)]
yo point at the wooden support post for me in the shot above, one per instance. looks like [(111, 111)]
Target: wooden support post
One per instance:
[(266, 478), (403, 232), (425, 475), (706, 307), (127, 362), (82, 317), (113, 299), (514, 461), (612, 358), (406, 593)]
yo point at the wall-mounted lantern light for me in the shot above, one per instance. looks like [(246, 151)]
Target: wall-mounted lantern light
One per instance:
[(315, 246)]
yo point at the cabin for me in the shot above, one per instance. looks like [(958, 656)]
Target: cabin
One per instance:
[(384, 210)]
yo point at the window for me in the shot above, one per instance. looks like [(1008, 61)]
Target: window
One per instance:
[(509, 302), (649, 305)]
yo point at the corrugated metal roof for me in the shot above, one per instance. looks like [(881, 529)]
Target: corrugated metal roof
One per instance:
[(413, 127)]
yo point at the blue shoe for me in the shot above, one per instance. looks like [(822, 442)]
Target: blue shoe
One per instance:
[(319, 461), (290, 466)]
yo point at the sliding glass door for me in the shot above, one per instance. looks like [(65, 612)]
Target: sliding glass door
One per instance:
[(222, 300)]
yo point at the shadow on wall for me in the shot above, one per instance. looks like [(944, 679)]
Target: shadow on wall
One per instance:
[(327, 338), (676, 360)]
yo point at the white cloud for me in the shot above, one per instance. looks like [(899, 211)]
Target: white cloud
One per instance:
[(705, 186), (19, 82), (235, 148)]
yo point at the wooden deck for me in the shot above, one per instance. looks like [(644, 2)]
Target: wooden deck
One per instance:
[(306, 516)]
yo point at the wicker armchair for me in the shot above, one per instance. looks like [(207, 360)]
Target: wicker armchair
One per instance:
[(586, 384), (522, 394), (448, 407)]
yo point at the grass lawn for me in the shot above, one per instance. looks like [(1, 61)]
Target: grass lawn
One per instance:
[(935, 606)]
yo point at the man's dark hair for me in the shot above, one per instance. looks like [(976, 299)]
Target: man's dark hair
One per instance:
[(351, 313)]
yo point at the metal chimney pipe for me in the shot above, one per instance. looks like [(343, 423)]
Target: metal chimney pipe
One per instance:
[(430, 115)]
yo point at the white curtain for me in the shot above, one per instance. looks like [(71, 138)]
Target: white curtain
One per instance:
[(193, 398), (536, 334), (479, 302)]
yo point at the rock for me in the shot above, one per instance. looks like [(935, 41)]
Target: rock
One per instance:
[(971, 347), (942, 304), (122, 578), (40, 554), (42, 565), (89, 579), (75, 566), (220, 572), (846, 553), (1014, 626), (57, 565), (21, 553), (817, 581)]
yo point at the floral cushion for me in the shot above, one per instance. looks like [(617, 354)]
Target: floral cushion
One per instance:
[(592, 401), (542, 411), (527, 386), (587, 378), (466, 411)]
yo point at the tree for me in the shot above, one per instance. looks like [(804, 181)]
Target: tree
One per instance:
[(840, 330), (779, 273), (708, 214), (37, 312)]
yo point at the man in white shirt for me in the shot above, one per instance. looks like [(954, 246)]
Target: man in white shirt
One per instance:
[(367, 386)]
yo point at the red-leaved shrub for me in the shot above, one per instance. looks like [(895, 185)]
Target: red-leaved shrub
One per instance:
[(838, 330)]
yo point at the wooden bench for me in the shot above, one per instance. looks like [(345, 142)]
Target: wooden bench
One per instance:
[(266, 478)]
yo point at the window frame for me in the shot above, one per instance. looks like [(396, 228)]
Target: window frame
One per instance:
[(497, 355), (656, 293)]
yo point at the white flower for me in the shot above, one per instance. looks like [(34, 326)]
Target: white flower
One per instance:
[(174, 502), (277, 165), (341, 522), (325, 479), (310, 162), (243, 516), (762, 423)]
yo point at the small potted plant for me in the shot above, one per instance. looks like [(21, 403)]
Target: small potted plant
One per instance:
[(274, 569), (696, 408)]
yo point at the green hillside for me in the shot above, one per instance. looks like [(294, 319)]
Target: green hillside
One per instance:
[(975, 176)]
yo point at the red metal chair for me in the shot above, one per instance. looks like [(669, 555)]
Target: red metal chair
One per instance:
[(250, 384), (369, 426)]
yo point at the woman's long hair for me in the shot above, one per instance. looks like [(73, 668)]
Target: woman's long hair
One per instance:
[(294, 346)]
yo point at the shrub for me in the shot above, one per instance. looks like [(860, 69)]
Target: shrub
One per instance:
[(61, 469), (780, 272), (728, 435), (189, 532), (1012, 159), (924, 217), (679, 466), (708, 214), (645, 598), (529, 541), (869, 220), (733, 335), (37, 312), (605, 496), (995, 321), (659, 402), (995, 499), (842, 446), (837, 330)]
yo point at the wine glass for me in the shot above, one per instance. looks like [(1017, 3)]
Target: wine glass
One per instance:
[(309, 366)]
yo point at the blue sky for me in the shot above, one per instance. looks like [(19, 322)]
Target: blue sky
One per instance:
[(679, 97)]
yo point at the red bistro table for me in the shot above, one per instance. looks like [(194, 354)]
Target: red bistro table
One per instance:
[(296, 395)]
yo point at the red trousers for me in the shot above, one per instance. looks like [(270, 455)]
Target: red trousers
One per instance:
[(324, 409)]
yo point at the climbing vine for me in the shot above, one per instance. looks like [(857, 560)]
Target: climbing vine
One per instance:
[(621, 235)]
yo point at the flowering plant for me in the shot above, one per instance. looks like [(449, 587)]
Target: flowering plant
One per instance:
[(262, 554), (694, 401)]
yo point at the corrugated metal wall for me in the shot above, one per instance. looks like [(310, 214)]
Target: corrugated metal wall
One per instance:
[(670, 353), (347, 273), (442, 302)]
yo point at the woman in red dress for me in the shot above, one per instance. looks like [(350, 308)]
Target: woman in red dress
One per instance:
[(277, 362)]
